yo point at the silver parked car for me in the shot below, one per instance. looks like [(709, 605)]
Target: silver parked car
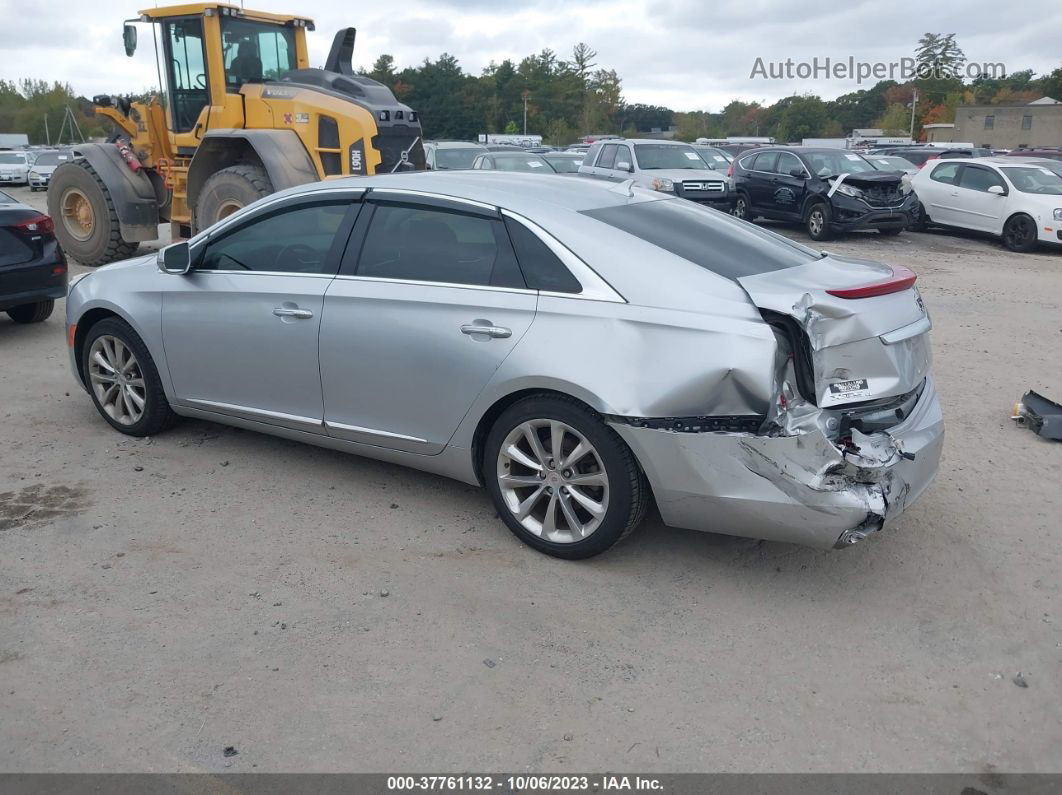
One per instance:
[(40, 173), (14, 167), (573, 345)]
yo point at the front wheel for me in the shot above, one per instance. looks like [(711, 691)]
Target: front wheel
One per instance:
[(123, 380), (1019, 233), (562, 480), (818, 222), (31, 313)]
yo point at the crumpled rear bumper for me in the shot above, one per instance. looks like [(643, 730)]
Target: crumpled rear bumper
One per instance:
[(798, 489)]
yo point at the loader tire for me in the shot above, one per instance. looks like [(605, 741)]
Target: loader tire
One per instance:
[(86, 223), (227, 191)]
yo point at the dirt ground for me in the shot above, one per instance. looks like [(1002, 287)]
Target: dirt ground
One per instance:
[(162, 599)]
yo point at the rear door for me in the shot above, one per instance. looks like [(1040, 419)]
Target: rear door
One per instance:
[(861, 348), (760, 185), (429, 302), (240, 331), (787, 191)]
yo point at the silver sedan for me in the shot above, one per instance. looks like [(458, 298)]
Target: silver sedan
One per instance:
[(577, 347)]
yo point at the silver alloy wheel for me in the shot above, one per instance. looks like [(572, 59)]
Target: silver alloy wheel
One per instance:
[(741, 208), (553, 480), (117, 380), (816, 221)]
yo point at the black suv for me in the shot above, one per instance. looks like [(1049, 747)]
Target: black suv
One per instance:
[(32, 266), (829, 191)]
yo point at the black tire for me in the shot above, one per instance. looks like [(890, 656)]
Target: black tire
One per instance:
[(891, 231), (1019, 233), (628, 492), (743, 207), (157, 416), (919, 219), (32, 313), (32, 189), (818, 222), (228, 190), (104, 243)]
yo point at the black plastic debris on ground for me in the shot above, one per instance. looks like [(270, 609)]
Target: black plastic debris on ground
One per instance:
[(230, 750), (1040, 415)]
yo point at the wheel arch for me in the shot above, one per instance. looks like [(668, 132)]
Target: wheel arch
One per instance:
[(279, 152), (89, 318), (136, 202)]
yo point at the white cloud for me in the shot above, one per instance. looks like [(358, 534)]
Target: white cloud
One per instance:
[(682, 53)]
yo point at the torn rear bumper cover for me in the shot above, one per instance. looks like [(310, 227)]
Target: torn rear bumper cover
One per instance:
[(802, 489)]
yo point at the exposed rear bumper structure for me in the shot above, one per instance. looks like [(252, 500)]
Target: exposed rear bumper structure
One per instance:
[(802, 489)]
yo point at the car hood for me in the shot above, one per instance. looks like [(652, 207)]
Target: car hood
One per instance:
[(683, 174), (870, 179), (43, 169)]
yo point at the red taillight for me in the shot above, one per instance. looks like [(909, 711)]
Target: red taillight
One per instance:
[(730, 170), (38, 224), (901, 279)]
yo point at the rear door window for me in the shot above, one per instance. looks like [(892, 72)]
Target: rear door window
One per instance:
[(418, 243), (715, 241), (766, 161)]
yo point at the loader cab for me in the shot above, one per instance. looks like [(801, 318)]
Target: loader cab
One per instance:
[(209, 52)]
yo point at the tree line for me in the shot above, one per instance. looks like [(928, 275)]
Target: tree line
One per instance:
[(568, 97)]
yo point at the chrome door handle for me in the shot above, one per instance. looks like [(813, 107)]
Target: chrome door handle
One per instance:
[(283, 311), (498, 332)]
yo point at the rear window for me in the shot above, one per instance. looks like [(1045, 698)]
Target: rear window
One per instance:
[(706, 237)]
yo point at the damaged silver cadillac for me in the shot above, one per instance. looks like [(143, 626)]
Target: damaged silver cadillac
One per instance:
[(576, 347)]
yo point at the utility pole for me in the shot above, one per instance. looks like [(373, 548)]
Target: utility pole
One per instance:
[(47, 135), (914, 104), (525, 95)]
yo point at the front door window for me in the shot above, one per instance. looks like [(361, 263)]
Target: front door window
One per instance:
[(186, 64)]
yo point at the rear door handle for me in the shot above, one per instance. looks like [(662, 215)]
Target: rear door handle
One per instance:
[(498, 332), (285, 311)]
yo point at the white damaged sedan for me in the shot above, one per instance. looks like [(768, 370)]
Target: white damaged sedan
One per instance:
[(577, 347)]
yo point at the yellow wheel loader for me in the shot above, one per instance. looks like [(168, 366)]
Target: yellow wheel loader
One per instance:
[(241, 116)]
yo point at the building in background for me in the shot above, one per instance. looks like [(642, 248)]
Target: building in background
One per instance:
[(1031, 125), (939, 133), (13, 140)]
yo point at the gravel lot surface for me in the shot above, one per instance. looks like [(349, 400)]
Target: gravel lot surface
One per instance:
[(162, 599)]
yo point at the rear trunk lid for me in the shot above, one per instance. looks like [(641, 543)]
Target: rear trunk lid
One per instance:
[(865, 328)]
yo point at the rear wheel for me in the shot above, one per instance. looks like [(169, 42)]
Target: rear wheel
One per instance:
[(31, 313), (919, 219), (818, 220), (123, 380), (1019, 233), (86, 223), (562, 480), (227, 191), (742, 209)]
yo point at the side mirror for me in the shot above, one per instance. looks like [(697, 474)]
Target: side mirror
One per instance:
[(997, 190), (175, 258), (797, 172), (623, 165), (129, 37)]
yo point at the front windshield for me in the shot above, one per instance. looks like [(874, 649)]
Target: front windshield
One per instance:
[(565, 165), (657, 156), (1035, 179), (11, 159), (891, 163), (530, 164), (714, 157), (829, 164), (50, 159), (458, 157)]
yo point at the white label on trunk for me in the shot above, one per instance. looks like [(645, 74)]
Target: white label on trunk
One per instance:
[(854, 388)]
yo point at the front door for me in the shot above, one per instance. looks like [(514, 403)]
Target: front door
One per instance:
[(240, 331), (415, 327), (975, 207)]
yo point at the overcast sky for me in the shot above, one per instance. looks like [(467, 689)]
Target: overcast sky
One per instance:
[(686, 54)]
